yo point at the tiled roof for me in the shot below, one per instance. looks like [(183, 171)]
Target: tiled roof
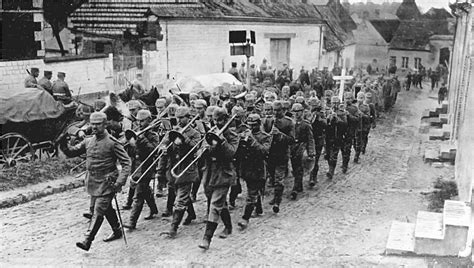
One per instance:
[(437, 14), (386, 28), (414, 35), (290, 10)]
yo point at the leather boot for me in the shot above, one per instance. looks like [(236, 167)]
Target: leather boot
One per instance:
[(177, 217), (169, 203), (94, 226), (235, 190), (258, 206), (208, 234), (245, 218), (191, 214), (225, 216), (330, 173), (112, 218), (134, 214), (278, 195), (150, 200), (356, 157), (131, 193), (313, 177)]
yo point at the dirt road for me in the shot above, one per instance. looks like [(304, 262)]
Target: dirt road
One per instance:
[(343, 223)]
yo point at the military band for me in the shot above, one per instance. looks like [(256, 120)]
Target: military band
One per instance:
[(220, 143)]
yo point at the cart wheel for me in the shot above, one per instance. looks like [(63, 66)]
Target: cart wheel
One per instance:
[(15, 147)]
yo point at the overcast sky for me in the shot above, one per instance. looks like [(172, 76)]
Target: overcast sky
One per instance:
[(425, 4)]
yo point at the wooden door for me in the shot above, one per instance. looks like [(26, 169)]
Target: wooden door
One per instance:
[(279, 52)]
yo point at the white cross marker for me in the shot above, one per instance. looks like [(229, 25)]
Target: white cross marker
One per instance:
[(342, 79)]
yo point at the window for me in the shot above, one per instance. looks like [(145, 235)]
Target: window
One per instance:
[(418, 63), (404, 62), (393, 61)]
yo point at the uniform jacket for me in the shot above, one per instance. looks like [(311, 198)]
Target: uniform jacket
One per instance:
[(251, 156), (102, 154), (336, 128), (60, 88), (174, 155), (146, 143), (30, 81), (353, 120), (319, 124), (303, 138), (283, 137), (46, 84), (219, 169), (366, 120)]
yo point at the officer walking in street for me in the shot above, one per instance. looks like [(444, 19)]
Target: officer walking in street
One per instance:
[(103, 179)]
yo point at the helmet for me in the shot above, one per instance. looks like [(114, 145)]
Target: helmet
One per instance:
[(143, 114)]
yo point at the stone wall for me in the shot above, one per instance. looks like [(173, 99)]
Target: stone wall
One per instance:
[(91, 74)]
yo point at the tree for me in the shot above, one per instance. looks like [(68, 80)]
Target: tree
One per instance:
[(56, 13)]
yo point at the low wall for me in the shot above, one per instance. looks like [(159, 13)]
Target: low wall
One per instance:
[(90, 74)]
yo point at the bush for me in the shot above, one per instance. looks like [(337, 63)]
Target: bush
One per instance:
[(444, 190)]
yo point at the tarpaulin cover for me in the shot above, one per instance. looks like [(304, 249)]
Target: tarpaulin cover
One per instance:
[(28, 104), (210, 82)]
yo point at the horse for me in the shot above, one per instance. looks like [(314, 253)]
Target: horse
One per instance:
[(148, 98)]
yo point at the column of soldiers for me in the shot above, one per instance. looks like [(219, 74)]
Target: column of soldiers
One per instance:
[(221, 143)]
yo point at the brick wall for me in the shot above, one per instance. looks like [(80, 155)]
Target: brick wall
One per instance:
[(91, 75), (195, 48)]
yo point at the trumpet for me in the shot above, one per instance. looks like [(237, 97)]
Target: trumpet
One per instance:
[(172, 136), (209, 137)]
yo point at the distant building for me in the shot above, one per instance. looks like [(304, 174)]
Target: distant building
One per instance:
[(407, 41), (190, 37)]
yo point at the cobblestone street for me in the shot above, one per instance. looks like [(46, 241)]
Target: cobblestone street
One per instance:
[(342, 223)]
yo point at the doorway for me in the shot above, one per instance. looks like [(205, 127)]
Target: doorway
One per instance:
[(444, 56), (279, 52)]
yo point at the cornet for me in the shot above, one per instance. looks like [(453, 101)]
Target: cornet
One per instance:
[(209, 137)]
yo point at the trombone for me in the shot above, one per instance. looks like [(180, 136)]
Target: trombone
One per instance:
[(209, 137), (172, 136), (132, 134)]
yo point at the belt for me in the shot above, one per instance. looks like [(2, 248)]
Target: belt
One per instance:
[(102, 172)]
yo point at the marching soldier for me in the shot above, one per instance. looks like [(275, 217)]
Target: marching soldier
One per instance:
[(318, 124), (283, 132), (61, 89), (218, 177), (353, 124), (103, 179), (238, 127), (30, 80), (145, 144), (45, 82), (335, 134), (181, 186), (364, 127), (202, 126), (253, 150), (303, 140)]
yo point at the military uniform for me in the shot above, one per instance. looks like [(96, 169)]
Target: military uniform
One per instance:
[(335, 137), (46, 84), (283, 136), (102, 152), (303, 140), (251, 155), (61, 91), (236, 189), (219, 175), (145, 145), (180, 186), (30, 81), (318, 124), (353, 124)]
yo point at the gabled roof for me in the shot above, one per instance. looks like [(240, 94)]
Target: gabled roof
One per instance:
[(386, 28), (408, 10), (336, 36), (437, 14), (414, 35)]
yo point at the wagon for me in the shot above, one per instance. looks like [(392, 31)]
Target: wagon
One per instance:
[(31, 124)]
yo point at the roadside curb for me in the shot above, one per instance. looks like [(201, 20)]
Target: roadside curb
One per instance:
[(33, 195)]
